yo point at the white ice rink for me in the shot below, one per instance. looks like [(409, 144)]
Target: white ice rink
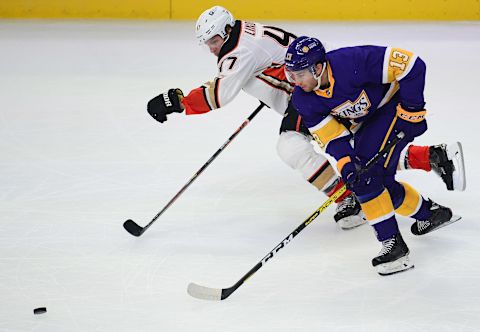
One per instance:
[(79, 155)]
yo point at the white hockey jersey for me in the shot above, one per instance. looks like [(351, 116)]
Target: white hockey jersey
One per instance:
[(252, 59)]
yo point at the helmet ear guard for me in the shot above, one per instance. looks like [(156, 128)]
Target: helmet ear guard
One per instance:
[(213, 22)]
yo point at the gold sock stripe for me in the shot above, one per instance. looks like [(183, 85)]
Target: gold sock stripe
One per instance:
[(411, 203)]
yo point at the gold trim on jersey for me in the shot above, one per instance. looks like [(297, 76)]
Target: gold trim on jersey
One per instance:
[(328, 92), (276, 83), (327, 130), (394, 87), (397, 64), (385, 142), (211, 93)]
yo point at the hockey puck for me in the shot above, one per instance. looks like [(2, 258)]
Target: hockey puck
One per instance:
[(39, 311)]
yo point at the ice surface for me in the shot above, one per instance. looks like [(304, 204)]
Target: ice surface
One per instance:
[(80, 155)]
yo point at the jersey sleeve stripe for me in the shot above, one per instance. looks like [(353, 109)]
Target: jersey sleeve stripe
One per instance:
[(206, 94), (275, 83), (397, 63), (211, 92), (394, 87), (216, 89), (327, 130), (275, 77)]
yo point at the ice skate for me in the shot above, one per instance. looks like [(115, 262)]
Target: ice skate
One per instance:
[(447, 162), (441, 216), (393, 257), (349, 213)]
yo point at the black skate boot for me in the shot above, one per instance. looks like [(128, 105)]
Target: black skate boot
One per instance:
[(441, 216), (349, 213), (447, 162), (393, 257)]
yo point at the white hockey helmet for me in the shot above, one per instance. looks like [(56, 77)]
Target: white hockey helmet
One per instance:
[(213, 22)]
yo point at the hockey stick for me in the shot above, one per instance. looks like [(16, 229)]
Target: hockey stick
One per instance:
[(217, 294), (136, 230)]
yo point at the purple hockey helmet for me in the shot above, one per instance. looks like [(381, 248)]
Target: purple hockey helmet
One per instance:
[(304, 53)]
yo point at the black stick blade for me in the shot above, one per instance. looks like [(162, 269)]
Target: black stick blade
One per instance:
[(132, 227)]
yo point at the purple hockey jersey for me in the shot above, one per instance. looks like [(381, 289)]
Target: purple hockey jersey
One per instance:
[(363, 79)]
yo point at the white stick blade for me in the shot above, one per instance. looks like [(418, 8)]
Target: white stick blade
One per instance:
[(204, 293)]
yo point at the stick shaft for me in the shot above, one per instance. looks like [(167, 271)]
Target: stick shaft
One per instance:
[(226, 292), (209, 161)]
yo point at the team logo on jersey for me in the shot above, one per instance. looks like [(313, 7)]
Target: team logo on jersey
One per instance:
[(353, 110)]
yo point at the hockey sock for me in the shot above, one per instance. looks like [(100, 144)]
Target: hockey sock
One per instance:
[(424, 212), (407, 201), (378, 209), (386, 229), (337, 184), (418, 157)]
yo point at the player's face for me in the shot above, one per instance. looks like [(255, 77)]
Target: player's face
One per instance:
[(215, 44), (303, 78)]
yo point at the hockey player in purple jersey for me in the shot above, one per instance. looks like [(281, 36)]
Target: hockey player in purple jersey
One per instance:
[(354, 101), (255, 56)]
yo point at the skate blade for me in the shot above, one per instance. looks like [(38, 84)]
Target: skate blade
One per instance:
[(455, 154), (400, 265), (352, 222), (454, 218)]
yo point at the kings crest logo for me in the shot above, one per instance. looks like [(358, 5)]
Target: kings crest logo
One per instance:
[(353, 110)]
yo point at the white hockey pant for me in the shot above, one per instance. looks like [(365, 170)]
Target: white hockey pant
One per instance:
[(297, 151)]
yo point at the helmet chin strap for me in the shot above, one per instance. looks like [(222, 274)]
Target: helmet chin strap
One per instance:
[(319, 77)]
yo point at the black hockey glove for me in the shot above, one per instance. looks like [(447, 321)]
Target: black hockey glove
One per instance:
[(357, 180), (165, 103)]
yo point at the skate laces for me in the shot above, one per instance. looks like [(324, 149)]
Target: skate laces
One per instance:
[(387, 246), (346, 204), (422, 225)]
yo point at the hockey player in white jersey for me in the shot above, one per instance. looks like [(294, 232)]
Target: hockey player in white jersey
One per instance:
[(251, 58)]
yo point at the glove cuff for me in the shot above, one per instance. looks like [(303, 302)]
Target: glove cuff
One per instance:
[(175, 97), (342, 162), (414, 117)]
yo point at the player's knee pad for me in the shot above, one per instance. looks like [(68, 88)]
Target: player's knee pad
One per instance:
[(296, 151)]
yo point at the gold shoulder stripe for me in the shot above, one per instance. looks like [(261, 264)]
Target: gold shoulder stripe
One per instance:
[(328, 130), (398, 63)]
